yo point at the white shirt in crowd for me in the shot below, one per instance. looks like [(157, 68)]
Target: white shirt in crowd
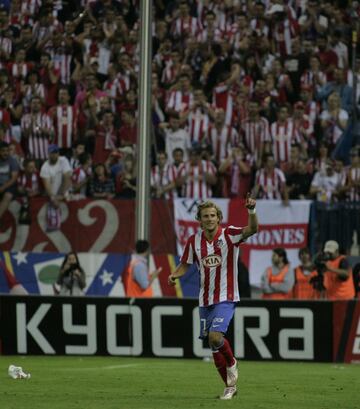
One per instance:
[(55, 173)]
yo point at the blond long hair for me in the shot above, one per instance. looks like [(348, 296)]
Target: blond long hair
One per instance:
[(207, 205)]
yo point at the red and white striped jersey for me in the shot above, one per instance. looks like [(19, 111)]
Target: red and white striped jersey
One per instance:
[(283, 33), (221, 142), (19, 71), (170, 73), (163, 177), (305, 129), (270, 185), (65, 125), (217, 263), (179, 101), (312, 109), (283, 135), (115, 89), (30, 8), (195, 186), (80, 175), (308, 78), (124, 81), (31, 183), (215, 35), (185, 26), (222, 98), (62, 63), (353, 181), (260, 27), (254, 134), (40, 32), (31, 91), (37, 142), (220, 15), (198, 125)]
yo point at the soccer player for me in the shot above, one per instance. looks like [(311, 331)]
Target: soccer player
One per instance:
[(215, 250)]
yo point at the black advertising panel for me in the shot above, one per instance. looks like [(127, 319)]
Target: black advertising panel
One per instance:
[(261, 330)]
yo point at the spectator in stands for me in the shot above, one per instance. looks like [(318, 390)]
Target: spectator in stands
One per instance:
[(101, 185), (137, 278), (28, 185), (197, 117), (87, 101), (255, 132), (313, 20), (334, 120), (71, 279), (278, 280), (197, 176), (32, 87), (65, 119), (181, 95), (55, 174), (325, 185), (81, 176), (37, 131), (339, 86), (313, 77), (221, 137), (305, 127), (270, 182), (236, 172), (9, 170), (284, 27), (299, 181), (107, 137), (163, 178), (79, 147), (295, 155), (126, 179), (49, 77), (328, 58), (352, 185), (174, 136), (304, 275), (178, 157), (338, 278), (312, 108), (128, 130), (284, 134)]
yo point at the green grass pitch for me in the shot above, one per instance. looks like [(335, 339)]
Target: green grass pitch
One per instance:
[(138, 383)]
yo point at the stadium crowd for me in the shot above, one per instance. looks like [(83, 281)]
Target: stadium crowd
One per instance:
[(246, 96)]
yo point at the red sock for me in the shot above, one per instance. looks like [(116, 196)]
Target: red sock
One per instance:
[(227, 352), (220, 363)]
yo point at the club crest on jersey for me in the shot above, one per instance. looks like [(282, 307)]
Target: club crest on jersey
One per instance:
[(212, 260), (219, 243)]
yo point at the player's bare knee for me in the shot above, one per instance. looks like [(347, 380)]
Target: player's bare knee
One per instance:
[(215, 339)]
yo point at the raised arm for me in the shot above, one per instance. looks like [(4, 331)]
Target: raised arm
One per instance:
[(253, 225)]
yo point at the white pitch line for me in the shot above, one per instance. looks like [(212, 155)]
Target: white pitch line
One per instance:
[(99, 367)]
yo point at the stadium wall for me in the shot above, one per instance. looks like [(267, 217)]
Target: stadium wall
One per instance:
[(319, 331)]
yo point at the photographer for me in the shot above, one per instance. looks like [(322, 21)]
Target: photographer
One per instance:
[(72, 277), (307, 278), (338, 279)]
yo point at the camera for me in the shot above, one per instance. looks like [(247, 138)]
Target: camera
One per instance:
[(320, 262), (320, 267)]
